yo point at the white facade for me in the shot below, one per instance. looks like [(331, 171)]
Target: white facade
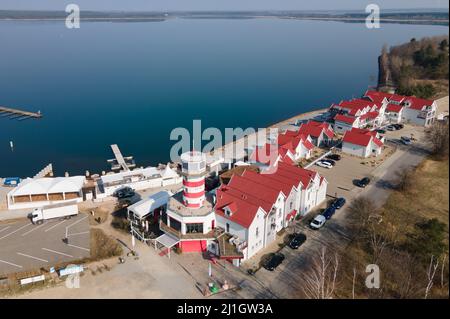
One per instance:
[(39, 192), (360, 150), (138, 179), (342, 127), (423, 117)]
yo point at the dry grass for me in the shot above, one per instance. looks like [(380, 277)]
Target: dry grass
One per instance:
[(428, 198), (103, 246)]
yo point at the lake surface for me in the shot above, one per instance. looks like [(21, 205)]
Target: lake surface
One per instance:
[(132, 83)]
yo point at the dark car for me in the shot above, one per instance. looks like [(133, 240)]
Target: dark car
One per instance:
[(339, 202), (329, 212), (124, 192), (391, 127), (273, 261), (297, 240), (398, 126), (363, 182), (334, 157), (331, 162)]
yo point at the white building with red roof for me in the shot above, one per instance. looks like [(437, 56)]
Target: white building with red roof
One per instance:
[(254, 207), (406, 108), (362, 143), (359, 113), (288, 147), (321, 133)]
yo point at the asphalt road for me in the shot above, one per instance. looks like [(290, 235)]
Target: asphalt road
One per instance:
[(24, 246)]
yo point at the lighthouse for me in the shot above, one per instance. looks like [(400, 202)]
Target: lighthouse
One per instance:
[(193, 171)]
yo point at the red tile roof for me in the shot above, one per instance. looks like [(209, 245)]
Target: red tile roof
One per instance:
[(344, 119), (361, 137), (245, 194), (266, 154), (394, 108), (315, 129), (418, 104)]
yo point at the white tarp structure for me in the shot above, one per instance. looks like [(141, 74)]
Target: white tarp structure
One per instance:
[(139, 179), (147, 205), (38, 192), (167, 241)]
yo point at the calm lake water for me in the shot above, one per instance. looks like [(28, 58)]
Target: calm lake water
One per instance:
[(132, 83)]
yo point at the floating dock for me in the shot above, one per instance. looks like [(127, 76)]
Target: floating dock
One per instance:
[(15, 114), (120, 162)]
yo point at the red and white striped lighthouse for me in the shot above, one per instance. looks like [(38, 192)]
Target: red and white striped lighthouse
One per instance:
[(193, 169)]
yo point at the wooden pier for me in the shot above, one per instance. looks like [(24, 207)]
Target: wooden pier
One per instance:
[(15, 114), (121, 162)]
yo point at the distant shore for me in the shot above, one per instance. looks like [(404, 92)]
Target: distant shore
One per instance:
[(407, 17)]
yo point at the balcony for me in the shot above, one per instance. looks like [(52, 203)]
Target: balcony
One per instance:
[(210, 235)]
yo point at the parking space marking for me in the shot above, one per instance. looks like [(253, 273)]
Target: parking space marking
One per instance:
[(73, 224), (15, 231), (25, 255), (37, 227), (5, 228), (56, 225), (57, 252), (78, 247), (75, 234), (6, 262)]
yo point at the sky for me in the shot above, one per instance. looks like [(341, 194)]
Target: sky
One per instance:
[(173, 5)]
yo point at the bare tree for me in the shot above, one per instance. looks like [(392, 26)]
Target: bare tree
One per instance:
[(444, 259), (320, 280), (361, 211), (438, 137), (406, 179), (378, 243), (353, 283), (430, 275)]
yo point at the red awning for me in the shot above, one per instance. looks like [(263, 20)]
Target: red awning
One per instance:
[(291, 215)]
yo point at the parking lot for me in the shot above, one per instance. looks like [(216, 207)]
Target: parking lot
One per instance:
[(341, 177), (24, 246)]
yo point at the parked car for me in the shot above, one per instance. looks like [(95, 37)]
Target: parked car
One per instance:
[(297, 240), (329, 212), (363, 182), (398, 126), (124, 192), (324, 164), (334, 157), (391, 128), (273, 261), (329, 161), (318, 222), (339, 202), (381, 131), (405, 140)]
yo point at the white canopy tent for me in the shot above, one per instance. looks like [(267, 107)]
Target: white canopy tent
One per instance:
[(167, 241)]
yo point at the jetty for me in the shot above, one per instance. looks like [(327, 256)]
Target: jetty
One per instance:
[(17, 114), (120, 162)]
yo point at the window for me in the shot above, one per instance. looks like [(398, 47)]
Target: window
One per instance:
[(175, 224), (257, 232), (228, 228), (194, 228), (290, 205)]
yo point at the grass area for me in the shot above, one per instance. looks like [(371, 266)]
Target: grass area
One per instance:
[(103, 246), (411, 227), (428, 199)]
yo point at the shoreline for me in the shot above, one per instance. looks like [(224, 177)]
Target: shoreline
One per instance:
[(435, 22)]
